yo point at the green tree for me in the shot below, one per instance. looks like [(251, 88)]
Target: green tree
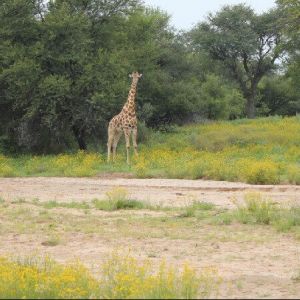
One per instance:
[(246, 43), (220, 100), (278, 96), (19, 72), (290, 22)]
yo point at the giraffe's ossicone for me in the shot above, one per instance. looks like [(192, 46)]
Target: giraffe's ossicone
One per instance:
[(125, 121)]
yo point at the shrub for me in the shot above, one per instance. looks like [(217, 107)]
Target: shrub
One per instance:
[(262, 172), (256, 210), (124, 278), (191, 210), (36, 278), (121, 277), (118, 198), (6, 170)]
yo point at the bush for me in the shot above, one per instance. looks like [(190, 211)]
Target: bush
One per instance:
[(118, 198), (43, 278), (262, 172), (256, 210), (122, 277)]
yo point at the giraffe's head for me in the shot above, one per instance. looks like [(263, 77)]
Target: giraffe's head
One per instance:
[(135, 75)]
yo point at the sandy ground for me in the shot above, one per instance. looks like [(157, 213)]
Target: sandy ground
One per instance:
[(254, 261), (168, 192)]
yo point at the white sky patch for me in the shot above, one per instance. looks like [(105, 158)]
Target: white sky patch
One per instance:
[(187, 13)]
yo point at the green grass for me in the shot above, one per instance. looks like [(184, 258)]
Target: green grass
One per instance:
[(73, 204), (108, 205), (261, 151), (193, 209), (257, 210)]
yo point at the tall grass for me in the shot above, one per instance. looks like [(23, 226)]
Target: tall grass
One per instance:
[(262, 151), (121, 277), (258, 209), (118, 198)]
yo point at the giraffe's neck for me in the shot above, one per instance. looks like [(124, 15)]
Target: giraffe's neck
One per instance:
[(130, 103)]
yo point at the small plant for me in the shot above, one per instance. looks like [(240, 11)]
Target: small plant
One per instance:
[(52, 241), (296, 277), (256, 210), (117, 193), (118, 198), (287, 218), (191, 210), (108, 205), (18, 201), (224, 218)]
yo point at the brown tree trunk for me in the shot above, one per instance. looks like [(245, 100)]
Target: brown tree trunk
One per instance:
[(79, 136), (250, 107), (251, 101)]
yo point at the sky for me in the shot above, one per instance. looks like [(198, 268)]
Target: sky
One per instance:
[(186, 13)]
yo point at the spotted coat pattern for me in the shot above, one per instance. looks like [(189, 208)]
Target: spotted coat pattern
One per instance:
[(125, 121)]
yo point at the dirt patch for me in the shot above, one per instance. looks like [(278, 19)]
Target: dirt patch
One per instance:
[(167, 192), (254, 261), (115, 175)]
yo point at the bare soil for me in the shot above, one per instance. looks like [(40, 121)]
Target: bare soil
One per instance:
[(167, 192), (254, 261)]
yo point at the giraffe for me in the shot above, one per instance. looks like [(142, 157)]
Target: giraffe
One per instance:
[(125, 121)]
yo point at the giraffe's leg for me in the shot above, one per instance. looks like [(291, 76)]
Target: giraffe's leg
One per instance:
[(115, 143), (109, 142), (127, 139), (134, 140)]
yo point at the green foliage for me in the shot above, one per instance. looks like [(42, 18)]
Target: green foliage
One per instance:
[(247, 44), (262, 151), (278, 96), (64, 69), (220, 101), (290, 22)]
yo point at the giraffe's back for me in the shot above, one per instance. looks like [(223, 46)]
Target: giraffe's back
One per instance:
[(122, 121)]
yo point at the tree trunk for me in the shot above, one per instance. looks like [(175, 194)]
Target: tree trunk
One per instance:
[(251, 101), (79, 136), (250, 107)]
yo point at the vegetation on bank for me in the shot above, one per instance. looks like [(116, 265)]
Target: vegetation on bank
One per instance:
[(262, 151), (64, 68), (121, 277)]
